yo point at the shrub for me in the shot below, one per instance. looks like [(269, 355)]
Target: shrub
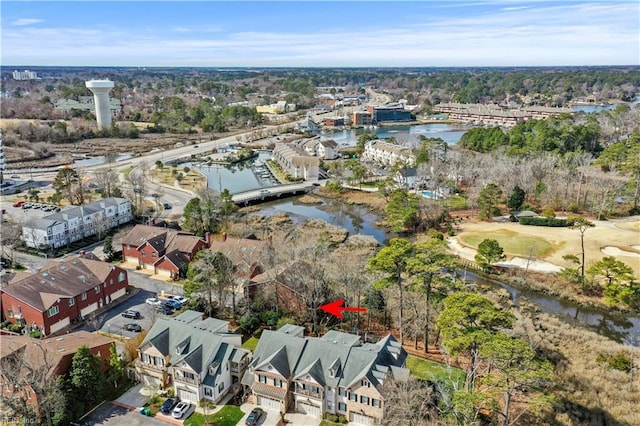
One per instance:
[(544, 221), (620, 361), (548, 213), (36, 334), (574, 208), (16, 328)]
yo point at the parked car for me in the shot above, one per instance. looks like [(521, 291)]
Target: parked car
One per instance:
[(180, 299), (130, 313), (27, 205), (265, 191), (180, 409), (153, 301), (255, 416), (164, 309), (168, 406), (134, 327), (19, 203), (166, 206), (173, 304)]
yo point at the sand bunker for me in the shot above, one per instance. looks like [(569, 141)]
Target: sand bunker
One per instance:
[(615, 251)]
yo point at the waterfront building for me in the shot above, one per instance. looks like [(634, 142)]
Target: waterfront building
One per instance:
[(296, 162), (386, 153)]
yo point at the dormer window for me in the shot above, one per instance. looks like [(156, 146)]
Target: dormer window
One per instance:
[(365, 383)]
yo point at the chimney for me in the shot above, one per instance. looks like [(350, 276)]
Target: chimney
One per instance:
[(224, 236), (207, 238)]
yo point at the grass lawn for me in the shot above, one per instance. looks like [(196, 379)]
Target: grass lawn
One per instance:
[(251, 343), (431, 370), (229, 415), (513, 243)]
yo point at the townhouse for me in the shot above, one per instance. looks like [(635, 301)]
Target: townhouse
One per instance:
[(296, 162), (74, 223), (335, 373), (198, 357), (164, 251), (388, 154), (25, 360), (61, 293), (327, 149)]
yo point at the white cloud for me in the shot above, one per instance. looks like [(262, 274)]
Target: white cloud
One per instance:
[(26, 21), (544, 34)]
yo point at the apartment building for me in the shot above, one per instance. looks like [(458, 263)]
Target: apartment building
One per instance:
[(198, 357), (296, 162), (335, 373), (386, 153), (74, 223)]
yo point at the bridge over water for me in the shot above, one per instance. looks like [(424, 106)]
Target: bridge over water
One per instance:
[(267, 194)]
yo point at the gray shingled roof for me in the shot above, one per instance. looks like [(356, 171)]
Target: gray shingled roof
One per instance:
[(341, 352), (200, 341)]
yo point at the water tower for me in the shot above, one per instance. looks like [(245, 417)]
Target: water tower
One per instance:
[(100, 89)]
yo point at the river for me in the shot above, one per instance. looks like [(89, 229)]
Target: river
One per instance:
[(617, 327), (450, 133)]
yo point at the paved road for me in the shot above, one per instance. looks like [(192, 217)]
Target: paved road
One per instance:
[(112, 321)]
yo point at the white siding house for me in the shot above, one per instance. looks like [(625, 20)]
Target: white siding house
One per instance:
[(73, 223)]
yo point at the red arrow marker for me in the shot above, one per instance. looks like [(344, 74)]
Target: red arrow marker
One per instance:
[(336, 308)]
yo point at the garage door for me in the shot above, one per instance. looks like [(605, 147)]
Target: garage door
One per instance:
[(185, 395), (131, 259), (268, 403), (309, 409), (163, 272), (59, 325), (361, 420)]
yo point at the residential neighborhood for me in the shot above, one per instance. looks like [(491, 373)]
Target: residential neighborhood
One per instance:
[(298, 213)]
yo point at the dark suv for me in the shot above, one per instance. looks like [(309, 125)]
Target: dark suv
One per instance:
[(131, 314), (168, 405)]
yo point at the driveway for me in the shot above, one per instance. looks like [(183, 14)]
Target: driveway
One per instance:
[(110, 414), (296, 419)]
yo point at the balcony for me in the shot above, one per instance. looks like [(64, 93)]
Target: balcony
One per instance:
[(151, 367), (309, 393), (182, 379)]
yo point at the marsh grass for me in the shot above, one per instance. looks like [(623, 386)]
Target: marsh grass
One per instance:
[(588, 391)]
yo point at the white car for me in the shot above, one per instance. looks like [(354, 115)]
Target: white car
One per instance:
[(180, 299), (180, 410), (153, 301)]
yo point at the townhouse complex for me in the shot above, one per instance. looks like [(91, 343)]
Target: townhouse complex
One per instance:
[(296, 162), (496, 115), (164, 251), (74, 223), (61, 293), (335, 373), (198, 357), (388, 154)]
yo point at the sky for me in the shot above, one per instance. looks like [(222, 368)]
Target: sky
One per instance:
[(320, 34)]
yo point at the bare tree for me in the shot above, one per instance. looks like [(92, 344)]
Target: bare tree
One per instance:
[(29, 368)]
